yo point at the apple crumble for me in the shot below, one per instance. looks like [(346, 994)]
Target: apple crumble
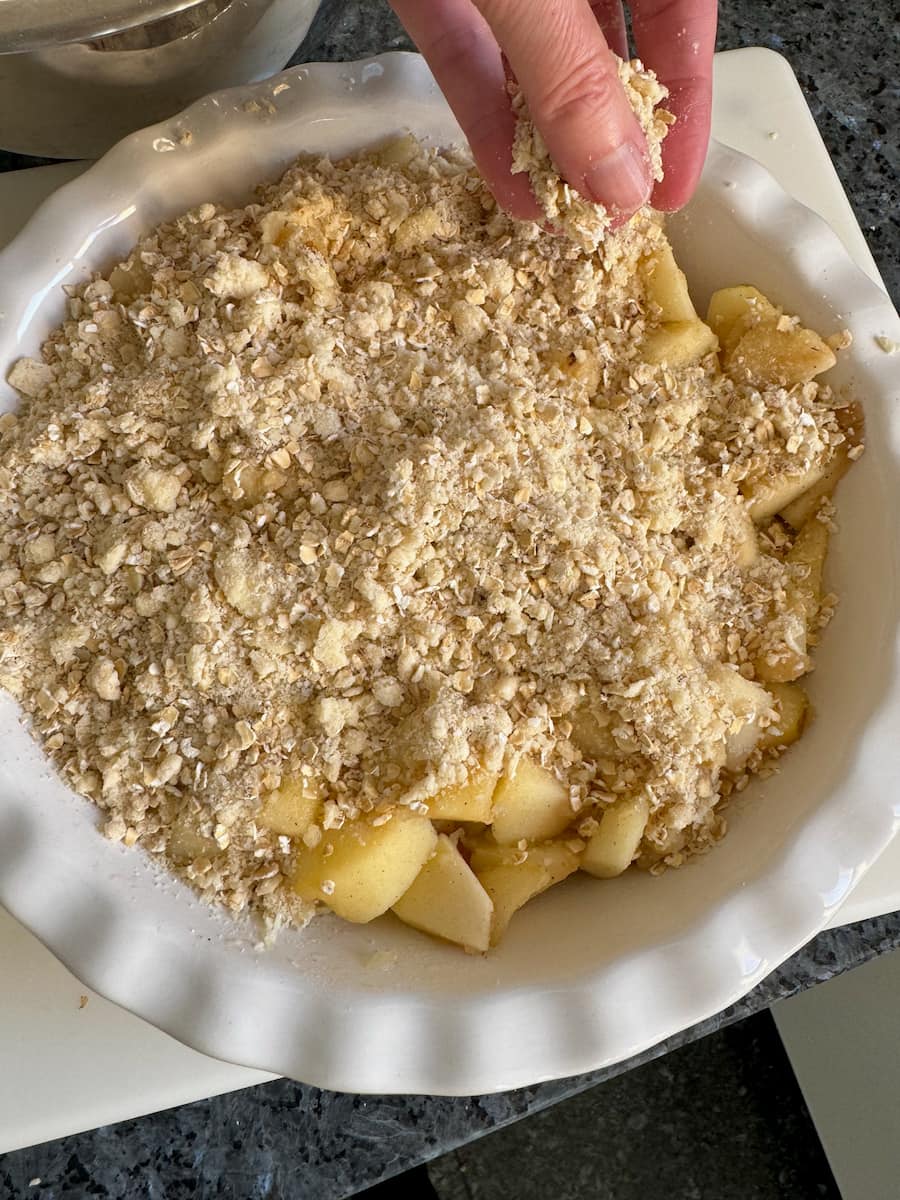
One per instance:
[(363, 547)]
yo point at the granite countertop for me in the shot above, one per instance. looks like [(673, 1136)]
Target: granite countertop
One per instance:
[(285, 1139)]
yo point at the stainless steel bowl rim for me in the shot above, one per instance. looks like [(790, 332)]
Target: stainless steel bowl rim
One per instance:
[(34, 24)]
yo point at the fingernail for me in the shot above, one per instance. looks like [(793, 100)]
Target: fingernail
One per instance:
[(620, 181)]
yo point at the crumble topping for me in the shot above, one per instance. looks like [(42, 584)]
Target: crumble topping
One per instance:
[(585, 223), (369, 482)]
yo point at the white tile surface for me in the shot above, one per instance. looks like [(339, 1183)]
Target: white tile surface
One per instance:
[(66, 1068)]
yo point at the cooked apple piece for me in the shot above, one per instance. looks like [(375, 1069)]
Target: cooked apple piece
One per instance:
[(748, 702), (509, 887), (799, 510), (531, 804), (469, 801), (557, 858), (611, 850), (851, 420), (809, 550), (487, 852), (666, 285), (361, 869), (679, 343), (259, 482), (447, 900), (185, 843), (511, 883), (398, 151), (767, 354), (787, 659), (791, 705), (592, 731), (746, 540), (293, 807), (773, 494), (733, 310)]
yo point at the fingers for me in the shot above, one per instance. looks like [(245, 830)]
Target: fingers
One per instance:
[(610, 16), (559, 55), (464, 58), (676, 38), (569, 78)]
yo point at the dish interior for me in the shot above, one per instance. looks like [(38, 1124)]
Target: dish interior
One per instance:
[(109, 911)]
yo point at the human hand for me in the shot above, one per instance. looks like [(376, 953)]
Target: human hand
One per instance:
[(559, 51)]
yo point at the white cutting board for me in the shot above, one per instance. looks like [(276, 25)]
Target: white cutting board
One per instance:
[(67, 1065)]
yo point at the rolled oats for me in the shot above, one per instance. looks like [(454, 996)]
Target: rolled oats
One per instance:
[(364, 479)]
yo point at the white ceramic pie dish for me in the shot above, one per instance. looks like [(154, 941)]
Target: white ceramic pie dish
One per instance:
[(590, 973)]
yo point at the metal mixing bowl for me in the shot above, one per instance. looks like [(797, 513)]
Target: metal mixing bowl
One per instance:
[(77, 75)]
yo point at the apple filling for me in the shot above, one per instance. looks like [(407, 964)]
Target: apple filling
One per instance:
[(363, 549)]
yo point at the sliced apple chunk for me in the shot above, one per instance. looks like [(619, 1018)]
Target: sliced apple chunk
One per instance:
[(398, 151), (293, 807), (808, 551), (612, 849), (530, 804), (186, 843), (447, 900), (792, 706), (679, 343), (511, 884), (746, 540), (666, 285), (748, 702), (767, 354), (592, 731), (509, 888), (733, 309), (360, 870), (469, 801), (486, 853), (771, 494), (758, 342), (804, 506), (785, 655)]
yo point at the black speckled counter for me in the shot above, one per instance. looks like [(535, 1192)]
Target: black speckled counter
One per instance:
[(286, 1140)]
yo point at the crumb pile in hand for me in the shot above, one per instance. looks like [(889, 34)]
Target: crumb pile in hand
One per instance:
[(369, 490), (585, 223)]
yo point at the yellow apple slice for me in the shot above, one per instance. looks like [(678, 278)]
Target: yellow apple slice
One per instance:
[(767, 354), (733, 310), (185, 843), (804, 505), (447, 900), (771, 494), (592, 731), (748, 702), (808, 551), (511, 884), (666, 285), (612, 849), (469, 801), (361, 869), (851, 420), (679, 343), (530, 804), (746, 540), (792, 705), (293, 807)]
